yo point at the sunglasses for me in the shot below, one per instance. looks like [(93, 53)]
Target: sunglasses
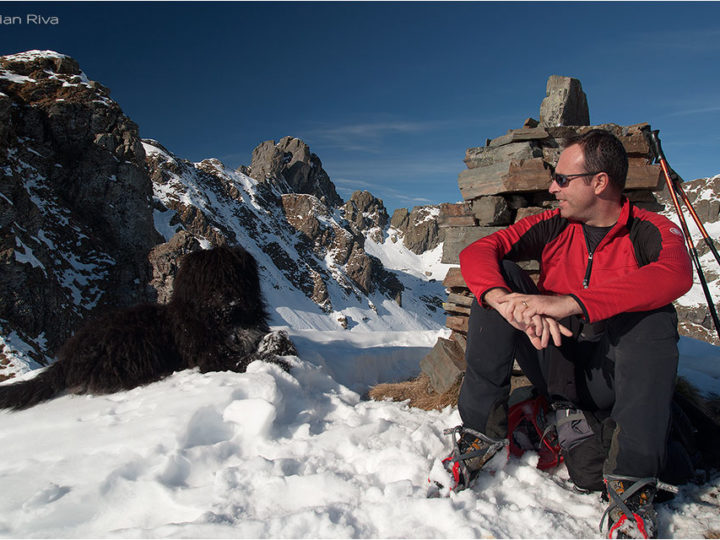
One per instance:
[(563, 180)]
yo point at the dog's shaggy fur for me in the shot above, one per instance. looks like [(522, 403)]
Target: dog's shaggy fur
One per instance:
[(216, 320)]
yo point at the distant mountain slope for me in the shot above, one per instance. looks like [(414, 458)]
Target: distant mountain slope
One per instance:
[(319, 272), (693, 313), (92, 217)]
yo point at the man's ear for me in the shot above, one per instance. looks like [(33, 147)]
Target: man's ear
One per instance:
[(601, 182)]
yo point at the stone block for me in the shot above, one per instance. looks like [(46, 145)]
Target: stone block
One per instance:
[(644, 176), (455, 308), (505, 177), (461, 339), (529, 211), (461, 299), (444, 364), (482, 156), (456, 209), (636, 128), (458, 238), (454, 279), (459, 323), (530, 123), (635, 144), (522, 134), (562, 132), (492, 210), (551, 155), (615, 129), (456, 221), (646, 200), (565, 103)]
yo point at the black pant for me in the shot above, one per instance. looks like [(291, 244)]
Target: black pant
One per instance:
[(626, 365)]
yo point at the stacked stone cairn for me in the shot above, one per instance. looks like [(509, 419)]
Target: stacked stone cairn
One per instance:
[(507, 180)]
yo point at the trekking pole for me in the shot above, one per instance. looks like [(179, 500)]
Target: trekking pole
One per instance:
[(674, 189), (696, 218)]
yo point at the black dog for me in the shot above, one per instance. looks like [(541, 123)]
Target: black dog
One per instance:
[(216, 320)]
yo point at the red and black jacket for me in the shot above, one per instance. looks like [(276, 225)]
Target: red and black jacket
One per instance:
[(641, 264)]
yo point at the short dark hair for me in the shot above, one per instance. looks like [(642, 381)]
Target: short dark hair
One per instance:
[(603, 151)]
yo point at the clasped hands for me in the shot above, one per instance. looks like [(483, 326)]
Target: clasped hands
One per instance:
[(535, 314)]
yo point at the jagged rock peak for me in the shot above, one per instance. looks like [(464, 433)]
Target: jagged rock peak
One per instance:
[(419, 227), (366, 214), (29, 62), (35, 66), (293, 168)]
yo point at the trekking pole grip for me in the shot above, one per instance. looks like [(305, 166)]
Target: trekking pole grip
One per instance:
[(654, 142)]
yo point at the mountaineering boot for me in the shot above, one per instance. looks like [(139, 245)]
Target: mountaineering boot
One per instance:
[(471, 451), (630, 511)]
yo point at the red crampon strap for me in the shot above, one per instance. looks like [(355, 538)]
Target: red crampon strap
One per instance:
[(533, 411), (639, 522), (454, 470)]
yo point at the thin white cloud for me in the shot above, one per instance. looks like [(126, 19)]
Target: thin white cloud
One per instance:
[(369, 136), (699, 110)]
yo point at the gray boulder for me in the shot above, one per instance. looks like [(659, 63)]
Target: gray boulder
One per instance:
[(565, 104)]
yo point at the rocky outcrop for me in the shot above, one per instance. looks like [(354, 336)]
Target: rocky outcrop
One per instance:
[(291, 166), (307, 240), (76, 220), (419, 228), (694, 318), (164, 260), (93, 217), (345, 246), (366, 215)]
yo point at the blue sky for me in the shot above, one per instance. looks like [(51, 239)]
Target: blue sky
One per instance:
[(389, 95)]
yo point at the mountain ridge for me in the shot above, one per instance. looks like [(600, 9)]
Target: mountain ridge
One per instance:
[(94, 217)]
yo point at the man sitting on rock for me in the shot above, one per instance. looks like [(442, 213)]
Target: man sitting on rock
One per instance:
[(597, 333)]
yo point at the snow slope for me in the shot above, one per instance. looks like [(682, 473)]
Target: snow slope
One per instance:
[(255, 225), (695, 295), (274, 454)]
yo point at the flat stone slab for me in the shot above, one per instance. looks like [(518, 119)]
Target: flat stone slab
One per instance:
[(644, 176), (482, 156), (454, 279), (444, 364), (459, 323), (522, 134), (506, 177), (458, 238)]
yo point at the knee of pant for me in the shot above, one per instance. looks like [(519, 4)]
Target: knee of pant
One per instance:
[(645, 326)]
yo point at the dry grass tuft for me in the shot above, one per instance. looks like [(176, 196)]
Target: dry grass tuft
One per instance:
[(418, 391), (421, 394)]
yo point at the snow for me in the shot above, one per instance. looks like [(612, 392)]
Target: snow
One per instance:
[(29, 56), (14, 77), (270, 454), (696, 296), (24, 255), (188, 184)]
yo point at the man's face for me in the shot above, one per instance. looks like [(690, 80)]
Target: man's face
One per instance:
[(575, 200)]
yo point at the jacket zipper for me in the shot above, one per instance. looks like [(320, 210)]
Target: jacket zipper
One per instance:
[(586, 281), (588, 270)]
